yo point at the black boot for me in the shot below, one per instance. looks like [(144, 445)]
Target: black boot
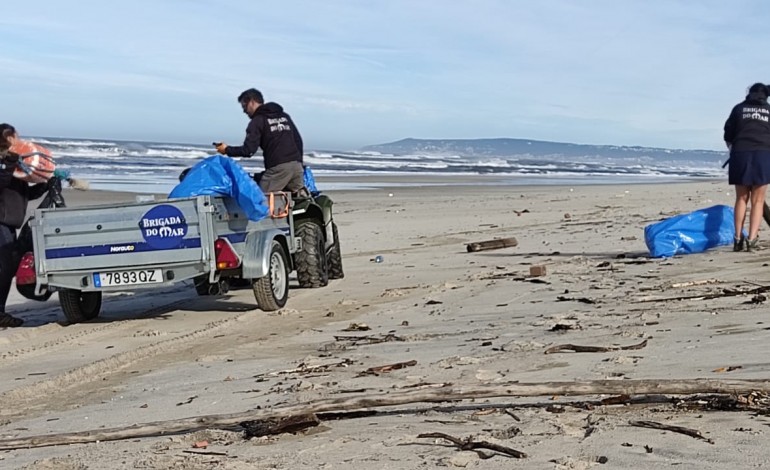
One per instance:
[(7, 321)]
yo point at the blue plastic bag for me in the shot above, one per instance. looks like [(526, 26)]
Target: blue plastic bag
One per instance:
[(310, 181), (691, 233), (222, 176)]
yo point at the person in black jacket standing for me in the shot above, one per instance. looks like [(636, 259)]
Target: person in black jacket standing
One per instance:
[(273, 130), (747, 135), (15, 194)]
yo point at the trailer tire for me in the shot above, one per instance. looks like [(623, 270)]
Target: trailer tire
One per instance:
[(335, 256), (312, 270), (272, 290), (28, 292), (202, 285), (79, 306)]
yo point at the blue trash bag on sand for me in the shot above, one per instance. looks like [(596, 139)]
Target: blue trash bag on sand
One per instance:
[(221, 176), (310, 181), (691, 233)]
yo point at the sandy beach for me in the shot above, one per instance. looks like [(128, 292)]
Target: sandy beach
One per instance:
[(452, 317)]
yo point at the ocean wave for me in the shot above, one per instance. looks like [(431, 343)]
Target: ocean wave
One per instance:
[(151, 163)]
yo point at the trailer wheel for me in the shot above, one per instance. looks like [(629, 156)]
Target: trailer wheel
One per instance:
[(312, 270), (202, 285), (79, 306), (335, 256), (272, 290), (28, 292)]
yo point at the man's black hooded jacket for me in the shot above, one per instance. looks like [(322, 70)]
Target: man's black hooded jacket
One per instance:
[(273, 130)]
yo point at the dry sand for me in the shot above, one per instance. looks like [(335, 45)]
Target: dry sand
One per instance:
[(465, 318)]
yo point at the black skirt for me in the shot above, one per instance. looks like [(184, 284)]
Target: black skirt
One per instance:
[(749, 168)]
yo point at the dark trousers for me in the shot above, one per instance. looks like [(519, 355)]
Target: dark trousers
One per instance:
[(8, 264)]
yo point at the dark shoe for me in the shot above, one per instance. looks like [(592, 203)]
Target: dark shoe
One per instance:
[(738, 243), (752, 245), (7, 321)]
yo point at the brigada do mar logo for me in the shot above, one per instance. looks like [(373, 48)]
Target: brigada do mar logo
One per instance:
[(163, 227)]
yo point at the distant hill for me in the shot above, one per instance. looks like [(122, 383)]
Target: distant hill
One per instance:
[(505, 147)]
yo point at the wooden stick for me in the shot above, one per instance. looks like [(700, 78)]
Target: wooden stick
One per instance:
[(667, 427), (437, 395), (388, 367), (370, 339), (470, 444), (724, 293), (576, 348), (701, 282), (495, 244), (289, 424)]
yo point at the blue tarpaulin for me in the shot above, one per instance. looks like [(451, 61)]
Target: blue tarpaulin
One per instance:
[(222, 176), (691, 233), (310, 182)]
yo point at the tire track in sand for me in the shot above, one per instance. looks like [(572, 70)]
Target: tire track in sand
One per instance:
[(55, 343), (20, 401)]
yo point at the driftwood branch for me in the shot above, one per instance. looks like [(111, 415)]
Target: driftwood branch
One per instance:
[(469, 444), (491, 244), (667, 427), (369, 339), (435, 395), (725, 293), (289, 424), (576, 348), (377, 370)]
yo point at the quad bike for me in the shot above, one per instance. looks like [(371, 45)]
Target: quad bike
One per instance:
[(318, 258), (24, 256)]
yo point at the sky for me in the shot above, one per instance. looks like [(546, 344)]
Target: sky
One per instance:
[(660, 73)]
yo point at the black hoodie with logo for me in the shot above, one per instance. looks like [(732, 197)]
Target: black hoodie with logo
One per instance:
[(748, 127), (273, 130)]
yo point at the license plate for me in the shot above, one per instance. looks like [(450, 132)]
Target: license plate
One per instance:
[(128, 278)]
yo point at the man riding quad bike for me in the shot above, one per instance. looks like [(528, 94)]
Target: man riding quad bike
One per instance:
[(319, 259)]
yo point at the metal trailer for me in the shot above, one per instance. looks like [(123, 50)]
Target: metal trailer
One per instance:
[(85, 251)]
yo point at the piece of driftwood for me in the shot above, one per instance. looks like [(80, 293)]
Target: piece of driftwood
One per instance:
[(271, 427), (667, 427), (582, 300), (512, 414), (724, 293), (495, 244), (205, 452), (388, 367), (307, 368), (370, 339), (469, 444), (434, 395), (578, 349), (701, 282)]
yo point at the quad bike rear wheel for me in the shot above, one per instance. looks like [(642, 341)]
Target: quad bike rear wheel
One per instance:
[(335, 256), (312, 268)]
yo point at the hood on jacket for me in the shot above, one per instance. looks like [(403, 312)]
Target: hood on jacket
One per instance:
[(270, 108)]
